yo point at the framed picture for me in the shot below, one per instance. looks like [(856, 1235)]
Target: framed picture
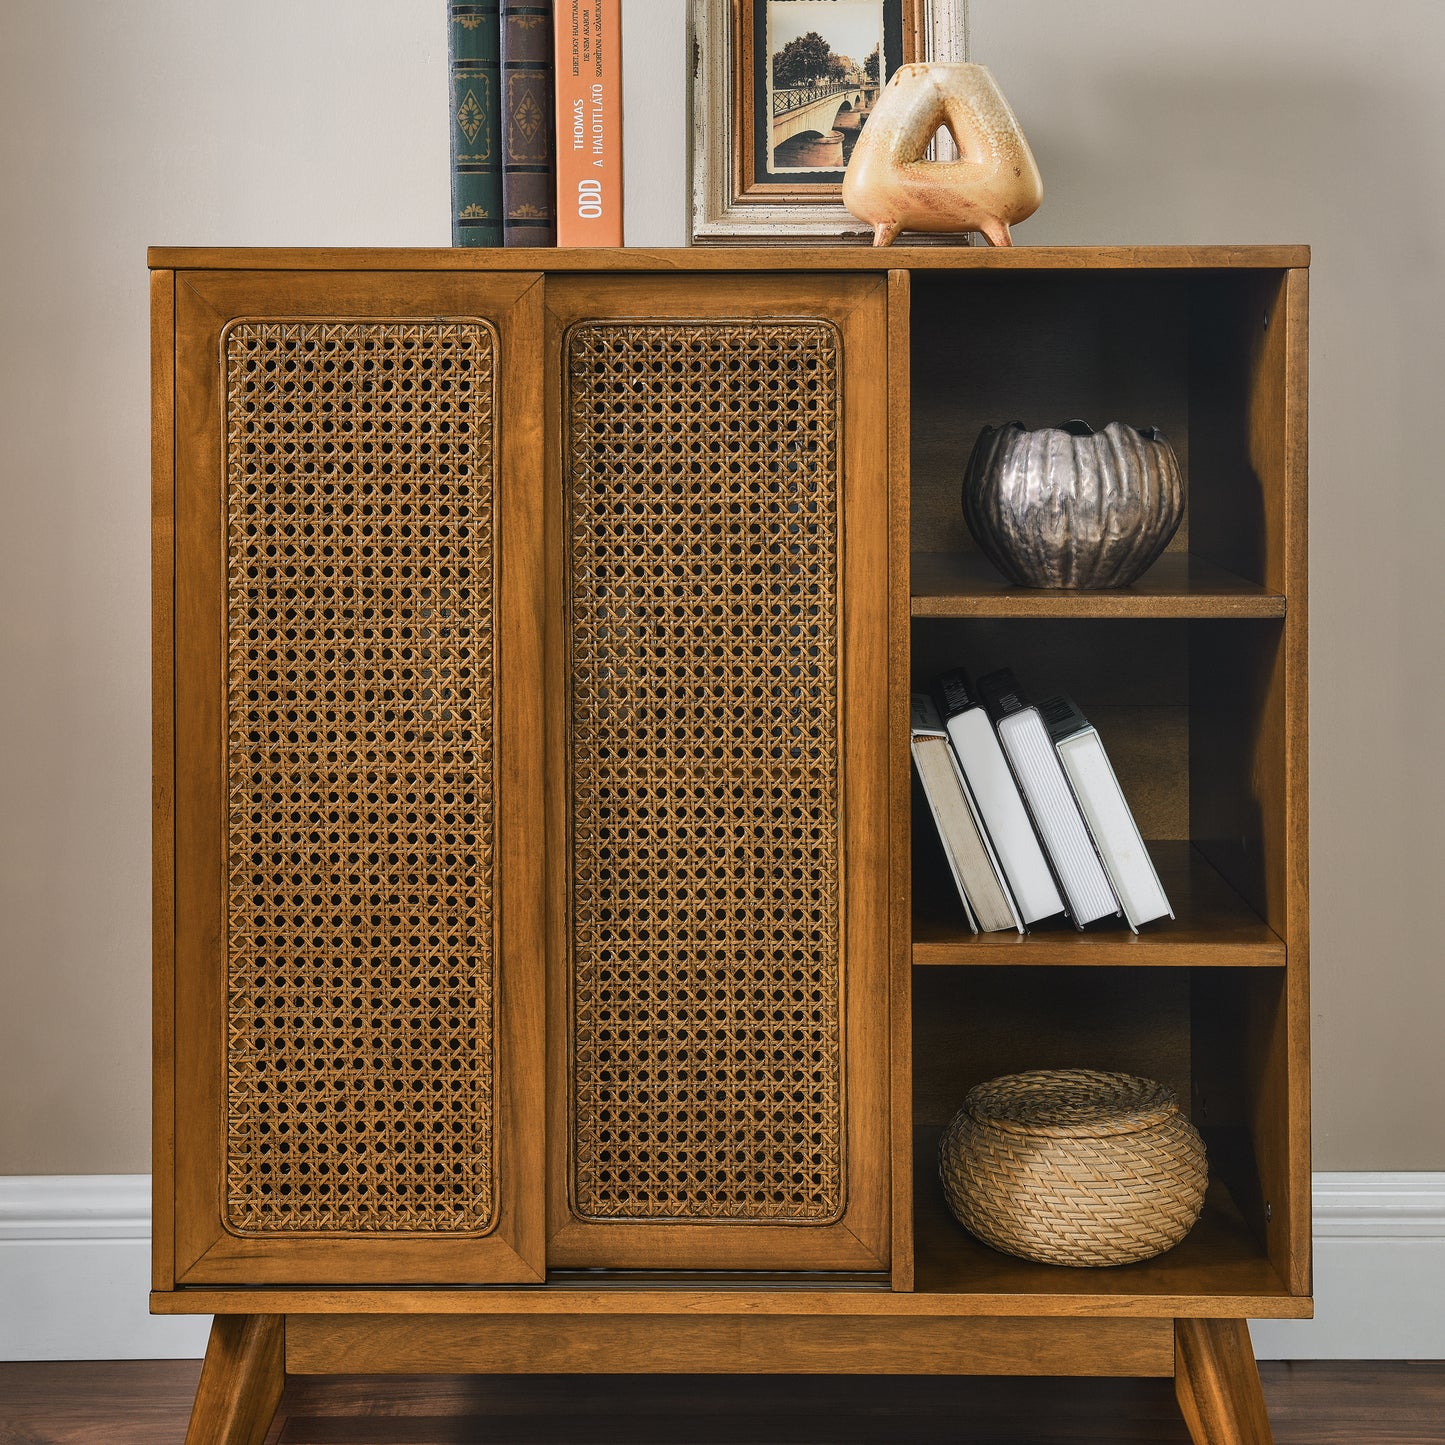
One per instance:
[(781, 89)]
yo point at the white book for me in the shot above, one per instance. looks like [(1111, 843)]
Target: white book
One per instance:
[(996, 796), (1040, 774), (1101, 800), (976, 871)]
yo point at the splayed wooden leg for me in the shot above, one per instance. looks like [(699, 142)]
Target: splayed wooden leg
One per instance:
[(1217, 1383), (241, 1381)]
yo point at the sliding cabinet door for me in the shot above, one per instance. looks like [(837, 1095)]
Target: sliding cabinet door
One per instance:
[(358, 990), (719, 999)]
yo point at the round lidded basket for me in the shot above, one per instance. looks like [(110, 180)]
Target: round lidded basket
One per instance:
[(1074, 1166)]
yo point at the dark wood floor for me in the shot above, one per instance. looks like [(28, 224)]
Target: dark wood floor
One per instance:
[(147, 1403)]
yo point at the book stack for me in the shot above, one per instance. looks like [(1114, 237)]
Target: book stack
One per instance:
[(1029, 812), (536, 132)]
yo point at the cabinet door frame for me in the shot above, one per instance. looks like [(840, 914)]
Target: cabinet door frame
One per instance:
[(858, 1241), (190, 1091)]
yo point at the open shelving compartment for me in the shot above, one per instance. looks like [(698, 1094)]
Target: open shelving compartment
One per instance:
[(1203, 1031), (1195, 678)]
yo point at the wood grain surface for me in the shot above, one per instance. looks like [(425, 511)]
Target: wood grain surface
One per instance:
[(163, 775), (965, 584), (209, 1244), (1217, 1384), (860, 1238), (725, 258), (242, 1378), (900, 774), (1007, 1295), (801, 1344), (146, 1402), (1217, 634), (1212, 927)]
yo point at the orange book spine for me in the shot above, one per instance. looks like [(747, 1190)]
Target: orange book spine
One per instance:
[(589, 122)]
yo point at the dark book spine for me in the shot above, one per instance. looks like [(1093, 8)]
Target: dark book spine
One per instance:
[(1062, 717), (1001, 695), (953, 693), (474, 42), (529, 151)]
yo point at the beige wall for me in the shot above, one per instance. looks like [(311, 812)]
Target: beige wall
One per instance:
[(317, 122)]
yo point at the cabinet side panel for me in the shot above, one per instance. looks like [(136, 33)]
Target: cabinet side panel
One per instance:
[(1240, 499), (1247, 793), (1292, 1247), (163, 776), (1249, 747), (900, 794), (197, 590)]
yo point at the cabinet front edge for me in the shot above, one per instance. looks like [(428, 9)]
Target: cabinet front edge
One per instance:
[(551, 1300), (728, 258)]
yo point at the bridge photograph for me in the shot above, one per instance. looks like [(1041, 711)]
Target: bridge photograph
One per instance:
[(825, 61)]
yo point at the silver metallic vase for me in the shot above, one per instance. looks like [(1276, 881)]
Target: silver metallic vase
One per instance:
[(1067, 506)]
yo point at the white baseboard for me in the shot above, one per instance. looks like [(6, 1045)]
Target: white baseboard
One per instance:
[(75, 1272), (1379, 1273)]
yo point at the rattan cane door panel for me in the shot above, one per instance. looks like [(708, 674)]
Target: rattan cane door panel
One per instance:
[(358, 943), (720, 472)]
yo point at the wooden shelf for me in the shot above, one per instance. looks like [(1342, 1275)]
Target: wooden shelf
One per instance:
[(966, 584), (1219, 1258), (1213, 927)]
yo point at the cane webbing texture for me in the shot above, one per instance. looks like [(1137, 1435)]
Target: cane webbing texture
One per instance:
[(703, 474), (359, 776)]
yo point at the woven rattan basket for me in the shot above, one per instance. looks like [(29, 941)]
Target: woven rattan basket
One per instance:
[(1072, 1166)]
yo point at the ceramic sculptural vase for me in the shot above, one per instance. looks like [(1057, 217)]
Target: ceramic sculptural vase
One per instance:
[(892, 185)]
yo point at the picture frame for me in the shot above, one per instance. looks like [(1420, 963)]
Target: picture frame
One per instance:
[(762, 171)]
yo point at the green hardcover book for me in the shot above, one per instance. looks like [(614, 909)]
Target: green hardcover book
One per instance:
[(475, 51)]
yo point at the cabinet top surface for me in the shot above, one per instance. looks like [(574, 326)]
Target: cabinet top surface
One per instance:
[(727, 258)]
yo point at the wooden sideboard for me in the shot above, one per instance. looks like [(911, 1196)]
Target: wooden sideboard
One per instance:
[(550, 973)]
